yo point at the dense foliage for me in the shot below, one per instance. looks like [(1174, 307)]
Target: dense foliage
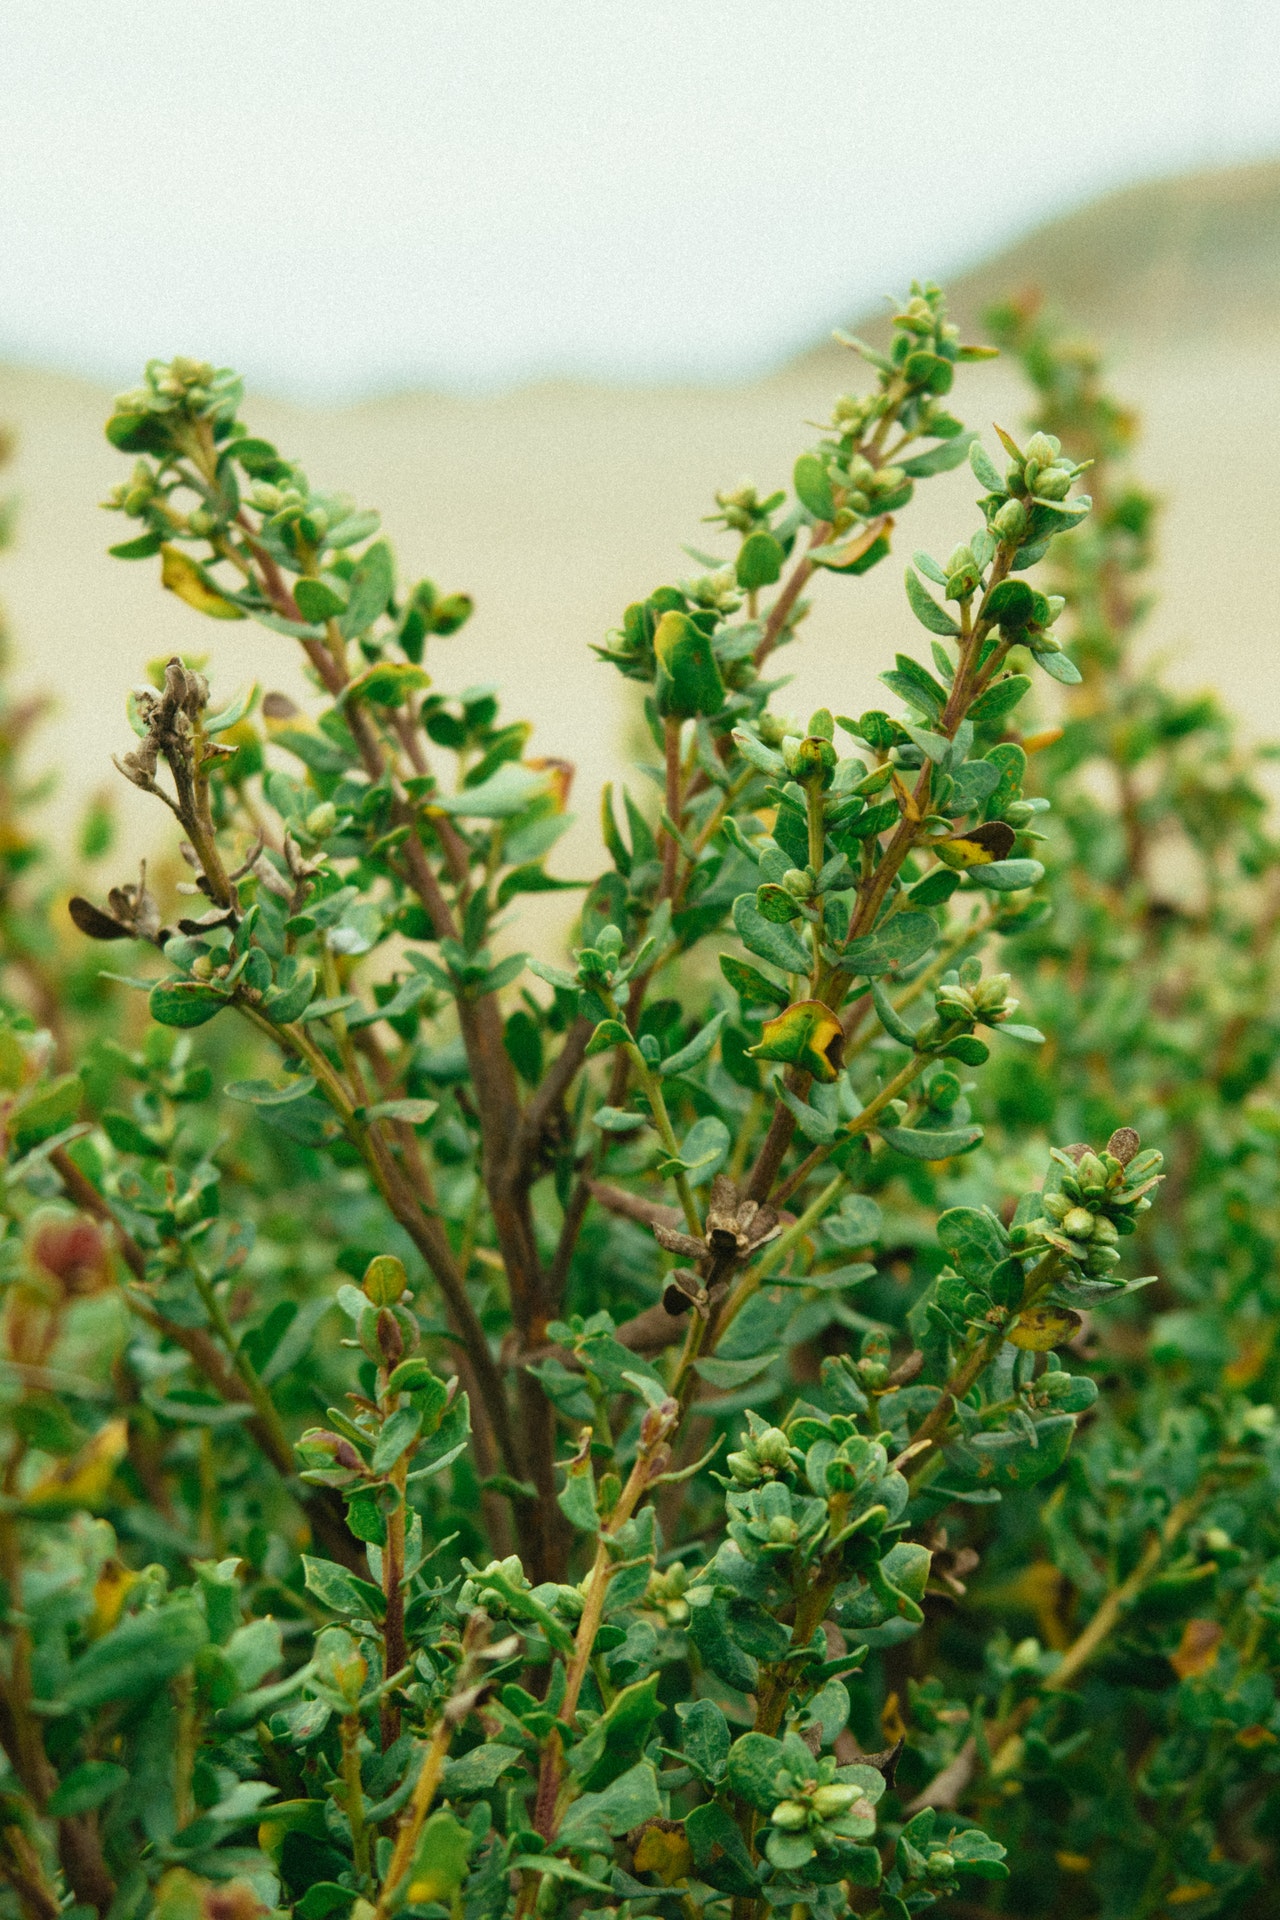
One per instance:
[(693, 1427)]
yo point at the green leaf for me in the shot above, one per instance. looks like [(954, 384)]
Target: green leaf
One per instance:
[(85, 1788), (898, 942), (292, 994), (975, 1240), (703, 1151), (397, 1436), (1015, 1031), (725, 1374), (371, 587), (927, 610), (533, 878), (355, 528), (917, 686), (921, 1145), (751, 985), (320, 600), (940, 459), (618, 1737), (719, 1851), (755, 1770), (414, 1113), (859, 1223), (184, 1003), (340, 1591), (609, 1034), (1012, 603), (706, 1738), (229, 715), (577, 1498), (509, 790), (777, 944), (1059, 667), (136, 1658), (618, 1120), (261, 1093), (688, 682), (760, 561), (764, 759), (440, 1859), (388, 683), (976, 1852), (776, 904), (696, 1050), (627, 1802), (968, 1049), (142, 548), (709, 1632), (813, 487), (1008, 876), (984, 467), (45, 1112), (1001, 697), (482, 1768)]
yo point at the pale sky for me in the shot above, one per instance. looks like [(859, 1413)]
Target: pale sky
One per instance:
[(352, 196)]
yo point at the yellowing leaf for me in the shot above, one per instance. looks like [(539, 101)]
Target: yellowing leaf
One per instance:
[(1197, 1650), (83, 1480), (977, 846), (181, 574), (110, 1590), (808, 1035), (666, 1852), (1037, 1329)]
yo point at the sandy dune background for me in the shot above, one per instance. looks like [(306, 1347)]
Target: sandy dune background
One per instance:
[(555, 505)]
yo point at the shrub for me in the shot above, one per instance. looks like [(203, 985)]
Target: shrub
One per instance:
[(576, 1553)]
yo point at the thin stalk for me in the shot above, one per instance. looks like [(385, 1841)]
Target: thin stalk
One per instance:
[(353, 1795), (414, 1817)]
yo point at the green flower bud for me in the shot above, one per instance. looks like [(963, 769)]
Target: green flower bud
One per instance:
[(814, 762), (1011, 521), (798, 883), (322, 820), (829, 1801), (384, 1280), (1043, 448), (1091, 1174), (790, 1815), (1056, 1206), (1055, 484), (772, 1447), (783, 1531)]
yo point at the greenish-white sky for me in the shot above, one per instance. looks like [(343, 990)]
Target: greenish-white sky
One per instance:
[(345, 196)]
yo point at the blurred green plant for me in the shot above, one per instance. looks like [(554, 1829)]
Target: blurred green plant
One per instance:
[(447, 1471)]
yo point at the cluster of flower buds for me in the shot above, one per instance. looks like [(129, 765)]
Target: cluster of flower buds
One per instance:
[(742, 509), (136, 494), (666, 1591), (963, 994), (177, 395), (820, 1808), (765, 1454), (1097, 1199), (1041, 473), (718, 592)]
